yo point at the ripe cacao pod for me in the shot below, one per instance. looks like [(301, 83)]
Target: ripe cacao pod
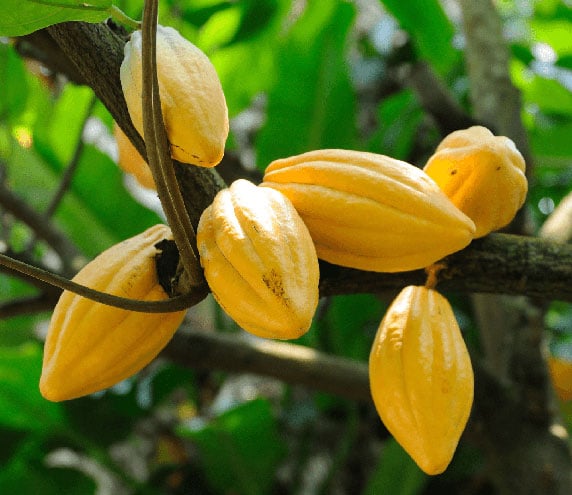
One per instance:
[(92, 346), (421, 377), (482, 174), (561, 375), (192, 99), (259, 261), (130, 161), (370, 211)]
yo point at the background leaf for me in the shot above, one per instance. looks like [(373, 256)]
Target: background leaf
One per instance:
[(21, 405), (312, 105), (240, 449), (430, 28), (19, 17)]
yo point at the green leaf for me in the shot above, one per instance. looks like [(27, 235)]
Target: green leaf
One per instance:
[(28, 474), (555, 33), (233, 53), (20, 17), (21, 405), (399, 118), (350, 323), (549, 95), (13, 83), (552, 145), (312, 105), (97, 211), (430, 28), (240, 449), (396, 473)]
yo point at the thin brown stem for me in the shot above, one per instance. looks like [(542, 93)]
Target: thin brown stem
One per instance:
[(44, 229), (158, 151), (169, 305)]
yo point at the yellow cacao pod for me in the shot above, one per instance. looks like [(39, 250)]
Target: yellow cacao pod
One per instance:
[(482, 174), (91, 346), (259, 261), (421, 377), (561, 375), (370, 211), (192, 100), (130, 161)]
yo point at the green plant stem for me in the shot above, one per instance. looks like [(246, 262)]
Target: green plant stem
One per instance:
[(122, 18), (159, 154), (169, 305)]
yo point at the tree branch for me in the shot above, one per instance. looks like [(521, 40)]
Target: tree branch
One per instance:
[(498, 263), (69, 255), (291, 363), (29, 305), (435, 98)]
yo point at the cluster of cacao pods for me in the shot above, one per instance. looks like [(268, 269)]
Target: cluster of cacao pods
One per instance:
[(370, 212), (91, 346), (259, 248)]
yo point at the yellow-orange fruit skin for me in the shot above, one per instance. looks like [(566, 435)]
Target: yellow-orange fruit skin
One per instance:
[(370, 211), (130, 161), (92, 346), (192, 100), (561, 375), (259, 261), (421, 377), (482, 174)]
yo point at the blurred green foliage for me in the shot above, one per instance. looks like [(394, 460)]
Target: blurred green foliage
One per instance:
[(322, 74)]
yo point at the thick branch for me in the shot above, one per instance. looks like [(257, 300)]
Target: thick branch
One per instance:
[(498, 263), (28, 305), (436, 98), (291, 363)]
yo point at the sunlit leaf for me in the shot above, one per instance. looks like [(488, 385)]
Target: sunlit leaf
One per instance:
[(312, 105), (550, 96), (430, 28), (236, 52), (555, 33), (13, 83), (19, 17)]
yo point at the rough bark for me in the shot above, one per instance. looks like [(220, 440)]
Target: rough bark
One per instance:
[(526, 445)]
